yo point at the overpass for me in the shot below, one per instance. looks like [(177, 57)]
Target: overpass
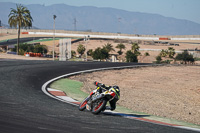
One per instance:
[(63, 33)]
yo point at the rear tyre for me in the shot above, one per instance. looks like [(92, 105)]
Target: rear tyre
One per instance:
[(82, 106), (99, 106)]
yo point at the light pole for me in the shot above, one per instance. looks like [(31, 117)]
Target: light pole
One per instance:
[(86, 39), (54, 17), (119, 19), (75, 21)]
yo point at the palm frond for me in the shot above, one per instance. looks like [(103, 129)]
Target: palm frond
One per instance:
[(20, 17)]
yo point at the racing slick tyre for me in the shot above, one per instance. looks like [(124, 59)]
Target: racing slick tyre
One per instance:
[(82, 106), (99, 106)]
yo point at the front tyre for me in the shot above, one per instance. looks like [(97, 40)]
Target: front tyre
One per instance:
[(99, 106), (82, 106)]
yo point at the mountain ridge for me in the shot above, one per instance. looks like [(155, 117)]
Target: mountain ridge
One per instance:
[(103, 19)]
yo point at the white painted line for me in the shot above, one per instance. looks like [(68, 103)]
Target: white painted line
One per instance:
[(68, 99), (189, 128), (50, 89)]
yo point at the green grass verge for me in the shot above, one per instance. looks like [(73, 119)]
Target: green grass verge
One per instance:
[(70, 87), (48, 39), (43, 40), (3, 41), (73, 89)]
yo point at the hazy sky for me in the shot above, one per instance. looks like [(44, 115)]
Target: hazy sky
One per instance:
[(181, 9)]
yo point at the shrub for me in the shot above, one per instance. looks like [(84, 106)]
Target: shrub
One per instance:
[(89, 52), (24, 47), (158, 59), (100, 53), (81, 49), (131, 57), (21, 52), (73, 53), (167, 61), (146, 54), (40, 49), (185, 57)]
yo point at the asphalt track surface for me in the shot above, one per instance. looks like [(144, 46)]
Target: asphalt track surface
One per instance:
[(27, 39), (22, 40), (24, 108)]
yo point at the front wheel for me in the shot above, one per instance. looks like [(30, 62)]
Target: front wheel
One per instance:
[(82, 106), (99, 106)]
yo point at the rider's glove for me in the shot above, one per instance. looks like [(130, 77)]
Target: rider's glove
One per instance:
[(99, 84), (102, 85), (96, 83)]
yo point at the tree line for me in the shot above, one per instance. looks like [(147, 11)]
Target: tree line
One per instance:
[(103, 53), (184, 57), (24, 47)]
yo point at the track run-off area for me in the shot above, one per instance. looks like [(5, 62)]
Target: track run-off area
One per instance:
[(25, 108)]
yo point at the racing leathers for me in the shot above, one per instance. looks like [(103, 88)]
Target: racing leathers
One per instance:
[(114, 89)]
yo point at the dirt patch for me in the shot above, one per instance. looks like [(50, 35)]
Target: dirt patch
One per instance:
[(167, 91)]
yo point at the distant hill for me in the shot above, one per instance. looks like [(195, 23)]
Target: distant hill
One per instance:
[(4, 26), (103, 20)]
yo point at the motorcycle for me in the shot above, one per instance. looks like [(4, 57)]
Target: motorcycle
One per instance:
[(96, 102)]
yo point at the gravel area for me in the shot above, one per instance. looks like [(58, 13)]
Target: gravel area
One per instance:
[(166, 91)]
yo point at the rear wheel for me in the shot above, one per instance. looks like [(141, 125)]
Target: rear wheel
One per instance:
[(82, 106), (99, 106)]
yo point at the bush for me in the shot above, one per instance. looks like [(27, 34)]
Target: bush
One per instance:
[(131, 57), (146, 54), (21, 52), (197, 59), (100, 53), (40, 49), (73, 53), (81, 49), (167, 61), (158, 59), (24, 47), (185, 57), (89, 52), (120, 52)]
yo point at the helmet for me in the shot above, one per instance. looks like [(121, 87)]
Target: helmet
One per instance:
[(117, 90)]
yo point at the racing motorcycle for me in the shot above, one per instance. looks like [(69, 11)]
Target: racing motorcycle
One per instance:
[(96, 102)]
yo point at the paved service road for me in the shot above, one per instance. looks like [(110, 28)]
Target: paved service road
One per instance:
[(24, 108)]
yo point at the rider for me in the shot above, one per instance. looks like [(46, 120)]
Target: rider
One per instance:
[(114, 89)]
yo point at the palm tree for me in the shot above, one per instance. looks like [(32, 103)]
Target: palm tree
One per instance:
[(120, 47), (109, 47), (135, 48), (20, 18)]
